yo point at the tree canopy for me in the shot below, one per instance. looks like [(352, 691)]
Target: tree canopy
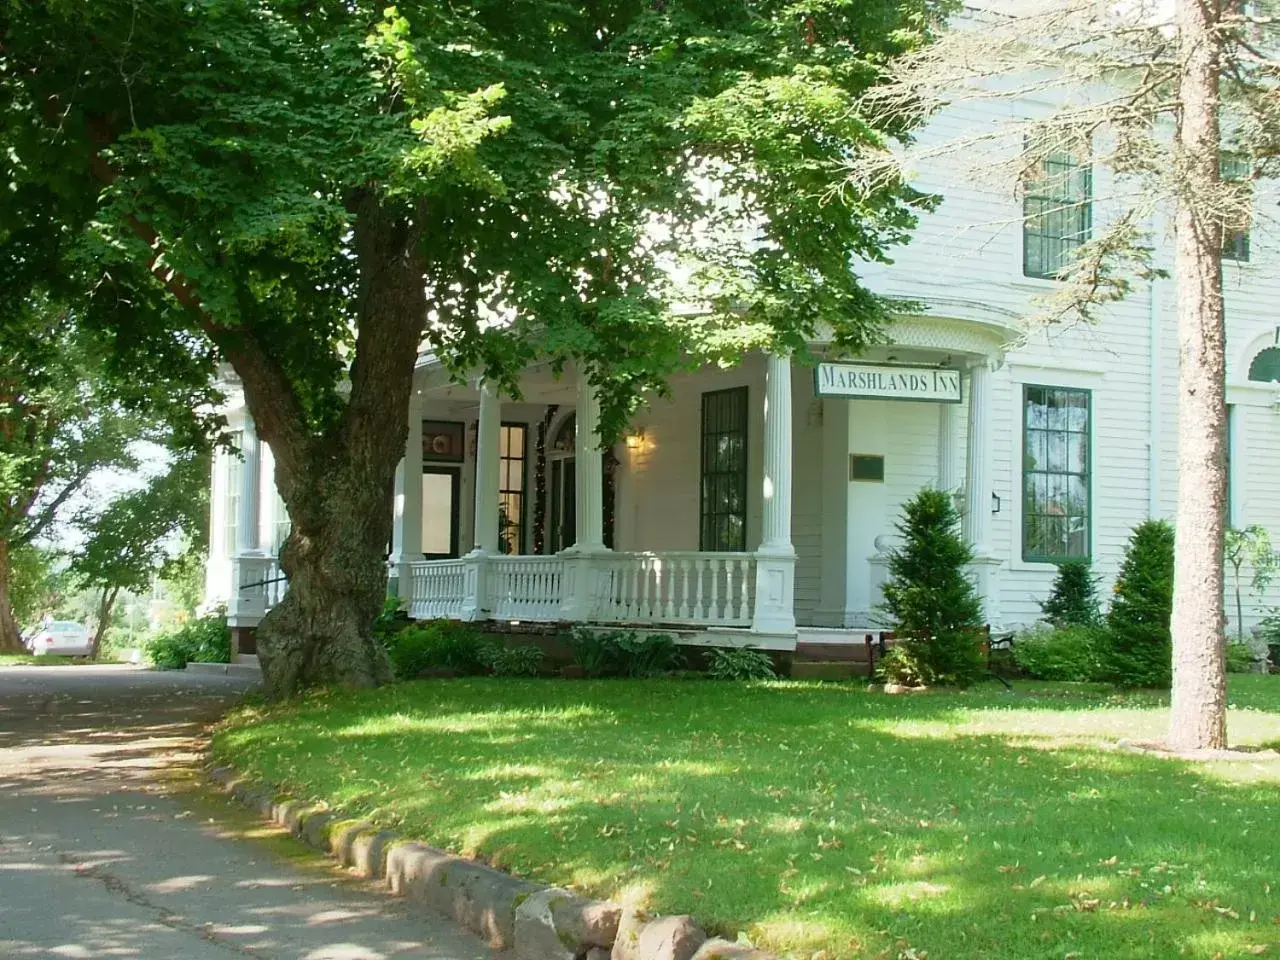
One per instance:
[(311, 190)]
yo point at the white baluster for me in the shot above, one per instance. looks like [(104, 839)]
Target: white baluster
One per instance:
[(744, 608)]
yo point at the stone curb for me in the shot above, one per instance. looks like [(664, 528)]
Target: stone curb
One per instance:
[(535, 921)]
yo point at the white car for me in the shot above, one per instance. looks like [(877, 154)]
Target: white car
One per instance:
[(63, 638)]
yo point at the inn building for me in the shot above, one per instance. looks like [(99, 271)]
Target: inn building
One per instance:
[(757, 505)]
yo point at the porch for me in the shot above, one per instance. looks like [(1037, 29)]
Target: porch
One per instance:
[(745, 504)]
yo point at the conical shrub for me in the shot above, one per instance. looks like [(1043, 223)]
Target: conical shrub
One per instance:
[(1140, 648), (929, 599)]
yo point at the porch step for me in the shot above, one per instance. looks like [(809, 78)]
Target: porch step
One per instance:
[(827, 669)]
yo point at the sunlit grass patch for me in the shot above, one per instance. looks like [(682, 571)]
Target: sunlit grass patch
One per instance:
[(817, 817)]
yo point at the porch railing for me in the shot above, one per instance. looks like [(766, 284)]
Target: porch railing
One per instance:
[(260, 585), (694, 588), (438, 589), (525, 588)]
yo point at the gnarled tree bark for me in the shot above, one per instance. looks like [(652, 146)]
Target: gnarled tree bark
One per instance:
[(338, 486)]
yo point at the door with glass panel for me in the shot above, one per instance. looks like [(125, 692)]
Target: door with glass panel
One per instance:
[(440, 488)]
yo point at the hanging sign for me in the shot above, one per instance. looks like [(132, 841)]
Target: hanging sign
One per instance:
[(877, 382)]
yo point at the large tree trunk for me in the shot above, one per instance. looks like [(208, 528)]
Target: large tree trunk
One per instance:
[(338, 487), (10, 634), (1198, 714)]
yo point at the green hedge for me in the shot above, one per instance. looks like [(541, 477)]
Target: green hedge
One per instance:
[(206, 640)]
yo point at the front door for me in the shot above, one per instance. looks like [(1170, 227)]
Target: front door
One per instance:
[(440, 487), (563, 503)]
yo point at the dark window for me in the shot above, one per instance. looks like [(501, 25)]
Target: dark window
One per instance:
[(1055, 473), (511, 485), (1057, 214), (724, 470), (1265, 367), (1235, 242), (442, 441)]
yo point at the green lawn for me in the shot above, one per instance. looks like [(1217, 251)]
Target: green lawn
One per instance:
[(27, 660), (823, 820)]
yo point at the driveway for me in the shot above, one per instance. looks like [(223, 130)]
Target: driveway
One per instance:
[(109, 849)]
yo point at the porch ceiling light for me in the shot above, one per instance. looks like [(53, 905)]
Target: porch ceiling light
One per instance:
[(635, 440)]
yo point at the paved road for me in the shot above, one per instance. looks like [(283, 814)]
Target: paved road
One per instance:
[(108, 850)]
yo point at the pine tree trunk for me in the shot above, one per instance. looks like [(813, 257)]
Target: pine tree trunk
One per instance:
[(1198, 714), (10, 634), (338, 487)]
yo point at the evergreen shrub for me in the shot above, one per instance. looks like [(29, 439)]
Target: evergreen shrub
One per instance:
[(1139, 651), (1074, 596), (929, 599)]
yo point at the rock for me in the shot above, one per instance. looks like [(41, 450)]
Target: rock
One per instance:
[(342, 838), (627, 943), (718, 949), (315, 830), (670, 938), (482, 900), (559, 925), (369, 853)]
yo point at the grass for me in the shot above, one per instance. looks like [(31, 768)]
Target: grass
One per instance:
[(27, 660), (822, 821)]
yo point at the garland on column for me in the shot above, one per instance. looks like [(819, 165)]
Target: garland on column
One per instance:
[(610, 495), (540, 481)]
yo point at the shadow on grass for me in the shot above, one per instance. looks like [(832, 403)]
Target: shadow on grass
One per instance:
[(814, 817)]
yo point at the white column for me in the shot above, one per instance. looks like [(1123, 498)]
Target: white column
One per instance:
[(948, 468), (776, 559), (475, 605), (589, 468), (245, 607), (250, 484), (406, 528), (488, 439), (977, 499), (977, 506)]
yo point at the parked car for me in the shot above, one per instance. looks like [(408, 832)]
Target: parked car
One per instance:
[(63, 638)]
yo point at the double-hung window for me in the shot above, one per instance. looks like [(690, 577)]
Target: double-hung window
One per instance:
[(511, 477), (1057, 212), (723, 514), (1056, 465)]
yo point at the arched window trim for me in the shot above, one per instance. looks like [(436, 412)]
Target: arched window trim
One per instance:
[(1265, 366)]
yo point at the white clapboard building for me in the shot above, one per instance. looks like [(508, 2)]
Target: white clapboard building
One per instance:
[(757, 503)]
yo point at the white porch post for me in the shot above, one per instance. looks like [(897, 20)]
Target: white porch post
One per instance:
[(977, 512), (246, 605), (581, 586), (250, 484), (406, 529), (776, 559), (589, 467), (948, 468), (485, 524)]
